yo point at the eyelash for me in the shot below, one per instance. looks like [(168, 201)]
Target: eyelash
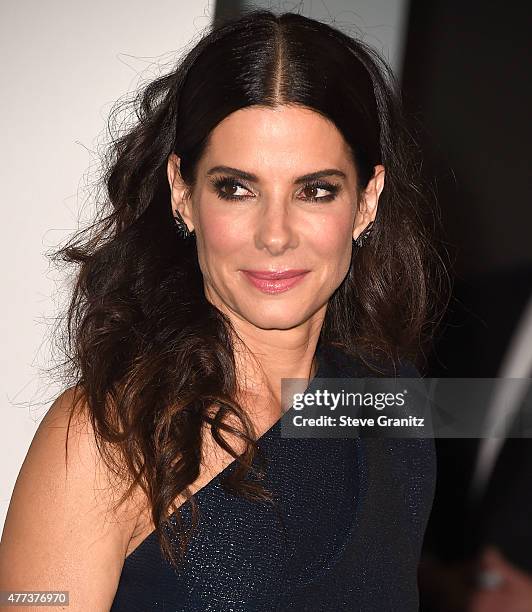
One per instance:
[(225, 181)]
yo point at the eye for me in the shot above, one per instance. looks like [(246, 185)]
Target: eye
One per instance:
[(316, 186), (227, 188)]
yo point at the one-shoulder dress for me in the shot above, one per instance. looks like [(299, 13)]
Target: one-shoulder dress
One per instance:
[(346, 535)]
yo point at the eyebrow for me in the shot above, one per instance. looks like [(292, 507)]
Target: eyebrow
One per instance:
[(248, 176)]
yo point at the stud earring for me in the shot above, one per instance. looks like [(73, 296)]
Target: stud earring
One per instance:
[(182, 228), (363, 237)]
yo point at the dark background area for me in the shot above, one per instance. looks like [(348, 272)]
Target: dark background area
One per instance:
[(466, 83), (466, 77)]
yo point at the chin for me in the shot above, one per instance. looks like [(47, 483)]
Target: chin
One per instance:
[(274, 318)]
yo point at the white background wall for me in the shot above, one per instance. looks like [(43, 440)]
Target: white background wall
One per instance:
[(64, 62)]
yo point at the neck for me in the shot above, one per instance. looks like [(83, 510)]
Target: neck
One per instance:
[(263, 360)]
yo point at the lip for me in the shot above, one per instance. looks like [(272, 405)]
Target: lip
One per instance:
[(274, 281), (274, 274)]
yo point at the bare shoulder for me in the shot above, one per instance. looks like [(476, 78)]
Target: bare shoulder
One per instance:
[(61, 531)]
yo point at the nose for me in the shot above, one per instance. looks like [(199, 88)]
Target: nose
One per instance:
[(276, 231)]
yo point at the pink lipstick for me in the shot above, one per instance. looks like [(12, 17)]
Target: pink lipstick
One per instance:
[(274, 281)]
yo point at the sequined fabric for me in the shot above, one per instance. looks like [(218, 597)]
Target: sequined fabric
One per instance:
[(348, 534)]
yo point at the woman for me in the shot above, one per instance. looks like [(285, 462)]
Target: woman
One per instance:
[(266, 222)]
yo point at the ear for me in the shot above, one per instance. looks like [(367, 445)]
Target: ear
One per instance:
[(179, 192), (367, 209)]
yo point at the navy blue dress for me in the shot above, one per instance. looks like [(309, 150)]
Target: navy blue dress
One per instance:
[(347, 535)]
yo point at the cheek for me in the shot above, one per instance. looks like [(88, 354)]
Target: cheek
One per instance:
[(331, 238), (221, 237)]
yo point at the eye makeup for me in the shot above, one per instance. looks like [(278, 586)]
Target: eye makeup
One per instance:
[(222, 182)]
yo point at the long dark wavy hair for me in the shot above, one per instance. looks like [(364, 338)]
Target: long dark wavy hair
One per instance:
[(149, 355)]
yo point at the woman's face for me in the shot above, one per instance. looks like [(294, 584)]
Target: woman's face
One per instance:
[(254, 209)]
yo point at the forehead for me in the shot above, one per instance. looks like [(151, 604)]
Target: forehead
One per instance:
[(281, 138)]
